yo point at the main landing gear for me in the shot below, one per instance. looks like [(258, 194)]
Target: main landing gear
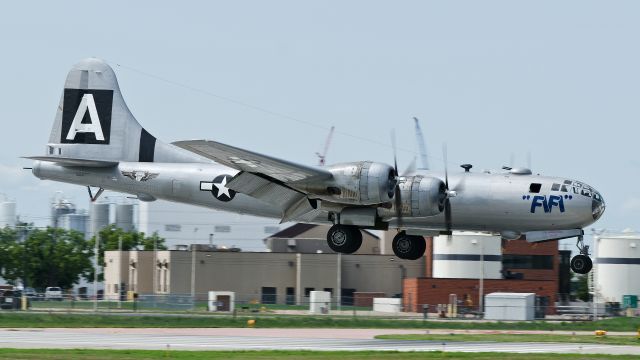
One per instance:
[(344, 239), (408, 247), (581, 263)]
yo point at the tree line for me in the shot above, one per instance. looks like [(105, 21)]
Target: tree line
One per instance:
[(57, 257)]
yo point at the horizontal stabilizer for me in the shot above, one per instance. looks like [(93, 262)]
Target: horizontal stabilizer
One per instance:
[(74, 162)]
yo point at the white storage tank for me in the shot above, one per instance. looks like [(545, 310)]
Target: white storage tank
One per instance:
[(7, 212), (617, 265), (460, 255), (60, 207), (78, 222), (98, 217), (124, 217)]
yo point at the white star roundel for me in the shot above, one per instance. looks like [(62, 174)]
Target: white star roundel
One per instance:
[(218, 188)]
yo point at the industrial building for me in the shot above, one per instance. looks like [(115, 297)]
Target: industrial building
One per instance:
[(284, 278), (471, 265)]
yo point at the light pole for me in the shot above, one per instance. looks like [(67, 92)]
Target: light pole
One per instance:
[(119, 294), (481, 280), (96, 250), (403, 275)]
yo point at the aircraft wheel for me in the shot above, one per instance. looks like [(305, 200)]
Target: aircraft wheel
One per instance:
[(581, 264), (408, 247), (344, 238)]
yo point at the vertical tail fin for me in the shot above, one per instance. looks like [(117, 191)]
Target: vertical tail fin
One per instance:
[(94, 122)]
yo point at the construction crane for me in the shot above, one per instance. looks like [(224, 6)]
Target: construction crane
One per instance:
[(421, 146), (321, 157)]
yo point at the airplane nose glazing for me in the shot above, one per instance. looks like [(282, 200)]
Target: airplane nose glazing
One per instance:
[(597, 206)]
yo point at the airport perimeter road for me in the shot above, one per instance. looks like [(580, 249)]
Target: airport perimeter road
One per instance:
[(271, 339)]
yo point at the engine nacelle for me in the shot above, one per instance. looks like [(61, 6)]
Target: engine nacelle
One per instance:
[(358, 183), (421, 196)]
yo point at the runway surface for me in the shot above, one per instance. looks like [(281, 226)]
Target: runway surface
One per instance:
[(272, 339)]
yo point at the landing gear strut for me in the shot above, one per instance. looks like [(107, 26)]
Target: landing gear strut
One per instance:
[(344, 239), (581, 263), (408, 247)]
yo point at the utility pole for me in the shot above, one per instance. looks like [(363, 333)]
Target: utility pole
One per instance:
[(193, 276), (96, 251), (119, 294)]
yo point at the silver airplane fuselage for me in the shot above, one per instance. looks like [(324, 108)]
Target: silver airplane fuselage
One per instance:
[(493, 202)]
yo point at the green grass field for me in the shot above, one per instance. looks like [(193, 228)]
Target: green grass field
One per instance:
[(55, 354), (587, 339), (40, 320)]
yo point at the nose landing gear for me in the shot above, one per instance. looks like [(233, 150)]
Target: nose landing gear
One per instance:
[(581, 263)]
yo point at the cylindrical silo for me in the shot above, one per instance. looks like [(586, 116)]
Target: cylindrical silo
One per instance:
[(617, 265), (98, 217), (464, 254), (124, 217), (60, 207), (78, 222), (7, 213)]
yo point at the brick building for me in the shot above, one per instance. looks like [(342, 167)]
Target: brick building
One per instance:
[(536, 268)]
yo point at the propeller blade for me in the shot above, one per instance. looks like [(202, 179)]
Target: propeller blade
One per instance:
[(395, 152), (398, 205), (444, 157), (397, 193), (447, 202)]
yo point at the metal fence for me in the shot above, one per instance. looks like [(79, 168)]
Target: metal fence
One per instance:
[(249, 304)]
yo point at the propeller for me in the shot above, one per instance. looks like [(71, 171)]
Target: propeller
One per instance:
[(397, 191), (447, 202)]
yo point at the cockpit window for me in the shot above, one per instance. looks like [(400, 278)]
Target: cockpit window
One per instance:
[(563, 188), (567, 182), (555, 187), (597, 197), (535, 188)]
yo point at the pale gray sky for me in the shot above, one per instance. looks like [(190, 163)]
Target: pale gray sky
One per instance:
[(489, 78)]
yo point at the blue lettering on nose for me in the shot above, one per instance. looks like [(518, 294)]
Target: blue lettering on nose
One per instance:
[(547, 205), (557, 201), (539, 201)]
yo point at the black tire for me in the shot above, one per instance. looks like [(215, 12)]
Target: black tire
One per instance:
[(581, 264), (344, 238), (356, 240), (408, 247)]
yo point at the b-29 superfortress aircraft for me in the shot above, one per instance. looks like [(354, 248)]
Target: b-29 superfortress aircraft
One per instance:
[(96, 142)]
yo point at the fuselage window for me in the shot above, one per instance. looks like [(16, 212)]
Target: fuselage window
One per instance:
[(555, 187), (535, 188)]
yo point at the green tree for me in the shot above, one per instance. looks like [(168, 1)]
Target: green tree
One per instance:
[(8, 249), (51, 257)]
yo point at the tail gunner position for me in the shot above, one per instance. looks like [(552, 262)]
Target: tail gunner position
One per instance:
[(96, 142)]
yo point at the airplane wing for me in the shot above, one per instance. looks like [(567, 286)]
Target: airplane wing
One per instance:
[(252, 162), (262, 177)]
